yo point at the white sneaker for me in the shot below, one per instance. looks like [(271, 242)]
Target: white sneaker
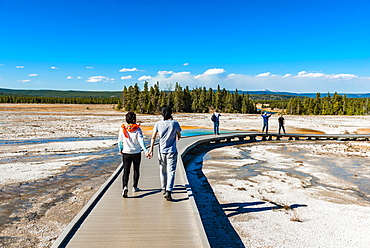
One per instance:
[(136, 189), (125, 192)]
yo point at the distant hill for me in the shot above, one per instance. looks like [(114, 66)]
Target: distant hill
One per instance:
[(255, 95), (287, 95), (269, 97), (59, 93)]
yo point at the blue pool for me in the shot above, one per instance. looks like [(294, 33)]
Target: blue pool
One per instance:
[(197, 132)]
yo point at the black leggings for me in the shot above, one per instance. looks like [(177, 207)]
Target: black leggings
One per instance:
[(127, 160)]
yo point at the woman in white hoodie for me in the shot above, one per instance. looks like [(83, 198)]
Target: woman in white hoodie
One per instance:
[(130, 143)]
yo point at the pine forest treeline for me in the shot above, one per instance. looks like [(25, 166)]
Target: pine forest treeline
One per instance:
[(197, 100), (58, 100), (149, 100), (328, 105)]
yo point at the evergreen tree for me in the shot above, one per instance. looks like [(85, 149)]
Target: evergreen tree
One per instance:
[(178, 99), (195, 95), (203, 105), (187, 100), (237, 104), (218, 99), (144, 99), (210, 99)]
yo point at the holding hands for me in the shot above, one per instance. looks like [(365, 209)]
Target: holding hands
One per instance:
[(149, 154)]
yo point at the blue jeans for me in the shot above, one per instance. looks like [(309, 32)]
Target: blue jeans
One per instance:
[(216, 124), (167, 168), (265, 126)]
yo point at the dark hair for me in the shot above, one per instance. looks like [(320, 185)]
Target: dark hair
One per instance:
[(131, 117), (166, 112)]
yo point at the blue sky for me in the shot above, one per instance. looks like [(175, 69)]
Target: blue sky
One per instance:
[(296, 46)]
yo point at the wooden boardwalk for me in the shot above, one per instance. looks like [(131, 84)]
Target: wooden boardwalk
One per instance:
[(145, 218)]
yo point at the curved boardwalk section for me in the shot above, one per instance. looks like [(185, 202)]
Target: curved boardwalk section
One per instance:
[(145, 218)]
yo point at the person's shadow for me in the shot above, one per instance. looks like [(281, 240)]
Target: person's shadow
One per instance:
[(145, 192), (178, 189), (214, 215), (233, 209)]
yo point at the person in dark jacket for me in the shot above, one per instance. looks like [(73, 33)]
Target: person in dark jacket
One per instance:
[(265, 117), (216, 122), (281, 122)]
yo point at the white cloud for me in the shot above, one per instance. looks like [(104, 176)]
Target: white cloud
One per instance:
[(165, 72), (311, 74), (302, 73), (33, 75), (24, 81), (96, 79), (266, 74), (19, 67), (305, 74), (210, 73), (185, 64), (70, 77), (144, 78), (90, 67), (127, 69), (342, 76), (182, 73), (287, 75), (126, 77), (214, 71), (54, 68)]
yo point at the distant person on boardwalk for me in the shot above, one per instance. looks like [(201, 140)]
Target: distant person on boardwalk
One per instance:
[(265, 117), (169, 132), (281, 123), (130, 143), (216, 122)]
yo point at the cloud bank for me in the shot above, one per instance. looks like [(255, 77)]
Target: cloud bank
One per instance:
[(302, 81)]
